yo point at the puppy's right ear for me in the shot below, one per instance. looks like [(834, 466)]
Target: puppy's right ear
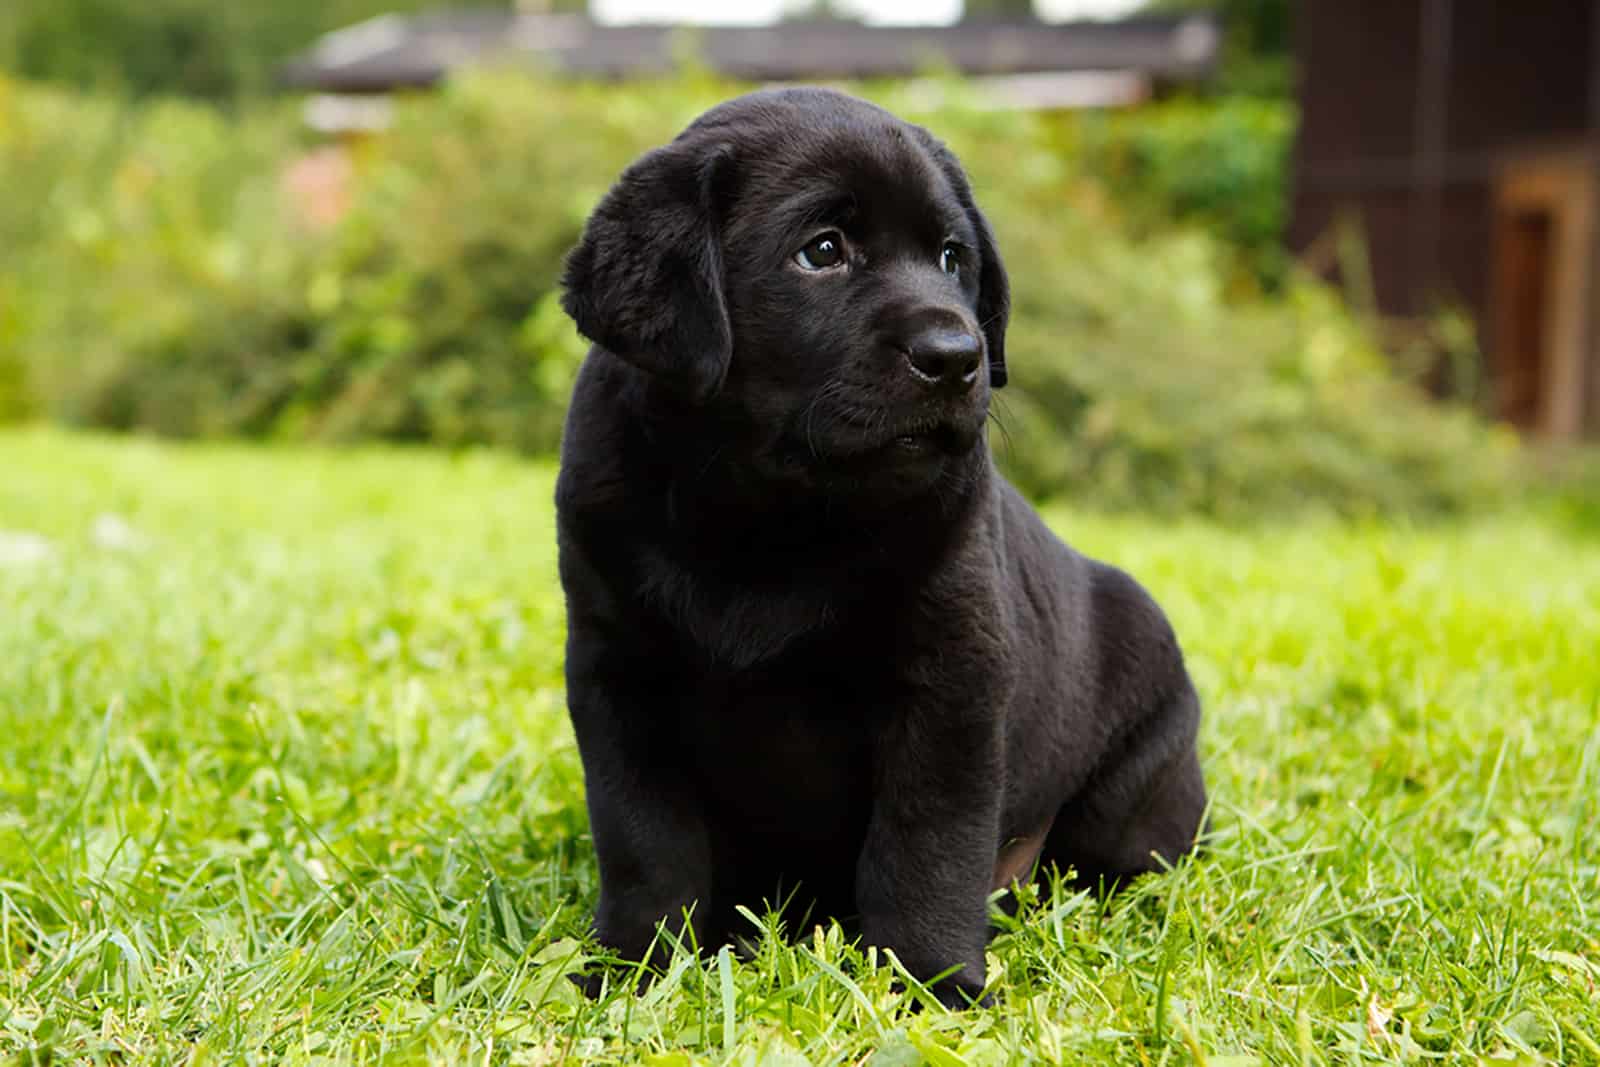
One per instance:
[(646, 281)]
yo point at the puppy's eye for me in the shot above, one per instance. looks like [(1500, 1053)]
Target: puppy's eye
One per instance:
[(950, 258), (822, 252)]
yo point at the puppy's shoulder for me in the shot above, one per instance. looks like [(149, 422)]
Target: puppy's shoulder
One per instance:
[(1125, 609), (1030, 552), (594, 480), (1086, 600), (1140, 664)]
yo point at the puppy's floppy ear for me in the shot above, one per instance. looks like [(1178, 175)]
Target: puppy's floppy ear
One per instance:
[(645, 281), (994, 296), (994, 288)]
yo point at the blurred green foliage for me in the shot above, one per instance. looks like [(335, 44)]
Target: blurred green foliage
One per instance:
[(193, 47), (1222, 163), (159, 277)]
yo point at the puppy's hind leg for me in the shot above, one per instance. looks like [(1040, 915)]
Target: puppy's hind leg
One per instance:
[(1142, 809)]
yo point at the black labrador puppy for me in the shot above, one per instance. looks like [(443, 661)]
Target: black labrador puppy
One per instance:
[(818, 649)]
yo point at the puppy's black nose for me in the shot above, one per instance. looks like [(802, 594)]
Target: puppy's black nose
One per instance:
[(945, 357)]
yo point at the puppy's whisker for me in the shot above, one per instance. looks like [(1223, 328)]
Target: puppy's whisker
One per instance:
[(807, 424), (711, 460), (829, 390), (996, 403)]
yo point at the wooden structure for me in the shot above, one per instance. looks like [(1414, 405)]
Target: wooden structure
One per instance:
[(1030, 63), (1463, 137)]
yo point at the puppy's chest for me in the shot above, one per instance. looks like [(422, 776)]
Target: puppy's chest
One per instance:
[(727, 618), (783, 753)]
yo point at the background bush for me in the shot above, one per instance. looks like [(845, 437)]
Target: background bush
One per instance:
[(159, 279), (1221, 163), (202, 48)]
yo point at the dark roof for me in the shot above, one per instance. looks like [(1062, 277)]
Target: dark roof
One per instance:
[(394, 51)]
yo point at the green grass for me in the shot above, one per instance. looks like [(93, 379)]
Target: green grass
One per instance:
[(290, 780)]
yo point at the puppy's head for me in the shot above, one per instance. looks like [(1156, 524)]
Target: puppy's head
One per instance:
[(814, 275)]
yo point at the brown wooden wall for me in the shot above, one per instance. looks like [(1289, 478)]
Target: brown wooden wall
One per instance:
[(1409, 110)]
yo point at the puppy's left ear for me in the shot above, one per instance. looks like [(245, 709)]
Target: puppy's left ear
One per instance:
[(646, 280), (994, 288)]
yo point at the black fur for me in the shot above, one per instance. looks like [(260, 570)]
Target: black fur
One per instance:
[(818, 649)]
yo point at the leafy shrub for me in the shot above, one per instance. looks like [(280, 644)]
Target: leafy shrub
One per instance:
[(163, 283), (1222, 164), (194, 47), (141, 239)]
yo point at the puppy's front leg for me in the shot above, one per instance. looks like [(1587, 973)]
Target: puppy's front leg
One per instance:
[(650, 833), (923, 875)]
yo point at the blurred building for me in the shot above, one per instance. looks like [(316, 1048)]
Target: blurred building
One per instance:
[(1462, 137), (1016, 62)]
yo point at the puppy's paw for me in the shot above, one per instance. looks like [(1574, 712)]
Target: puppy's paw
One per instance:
[(589, 982), (953, 995), (592, 980), (959, 996)]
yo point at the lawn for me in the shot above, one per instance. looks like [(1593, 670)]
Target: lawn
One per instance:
[(287, 778)]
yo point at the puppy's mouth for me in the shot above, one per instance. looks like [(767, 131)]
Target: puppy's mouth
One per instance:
[(940, 438), (857, 439), (919, 441)]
